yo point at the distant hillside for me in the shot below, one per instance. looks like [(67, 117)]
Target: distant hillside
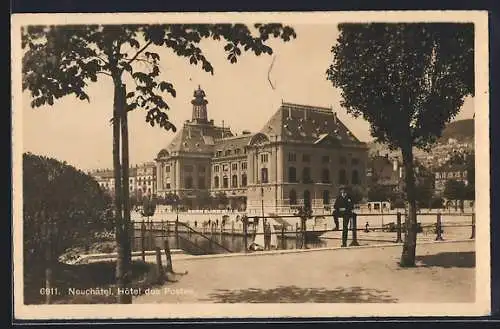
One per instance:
[(460, 130)]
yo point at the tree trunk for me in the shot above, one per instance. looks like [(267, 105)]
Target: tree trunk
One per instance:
[(120, 261), (126, 229), (410, 241)]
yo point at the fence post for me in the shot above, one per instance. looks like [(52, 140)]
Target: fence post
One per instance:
[(354, 229), (168, 256), (177, 233), (245, 229), (151, 239), (304, 232), (297, 235), (439, 237), (160, 270), (473, 233), (398, 227), (143, 241)]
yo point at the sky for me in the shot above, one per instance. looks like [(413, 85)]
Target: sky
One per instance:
[(79, 132)]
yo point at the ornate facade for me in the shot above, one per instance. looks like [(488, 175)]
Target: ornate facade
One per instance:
[(302, 155)]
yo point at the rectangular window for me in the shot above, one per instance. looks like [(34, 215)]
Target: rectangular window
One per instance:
[(237, 151), (227, 153), (225, 182), (234, 166), (168, 186), (264, 158), (292, 157), (225, 167), (264, 176), (325, 159), (244, 165), (306, 158), (216, 168), (201, 182)]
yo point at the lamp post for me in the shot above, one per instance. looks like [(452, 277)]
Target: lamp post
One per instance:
[(262, 200)]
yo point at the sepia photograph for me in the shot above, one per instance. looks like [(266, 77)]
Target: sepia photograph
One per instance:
[(250, 165)]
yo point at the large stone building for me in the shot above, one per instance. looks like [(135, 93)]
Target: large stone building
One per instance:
[(301, 155), (142, 179)]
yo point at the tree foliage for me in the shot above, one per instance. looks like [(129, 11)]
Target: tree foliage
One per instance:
[(149, 203), (220, 200), (356, 193), (62, 207), (407, 80), (64, 60), (379, 193), (415, 75), (454, 190)]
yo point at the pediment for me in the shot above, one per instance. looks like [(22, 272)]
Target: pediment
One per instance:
[(259, 139)]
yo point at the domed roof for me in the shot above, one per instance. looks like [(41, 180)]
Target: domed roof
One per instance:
[(199, 93)]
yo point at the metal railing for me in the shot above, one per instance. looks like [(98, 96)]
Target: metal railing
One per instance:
[(292, 232)]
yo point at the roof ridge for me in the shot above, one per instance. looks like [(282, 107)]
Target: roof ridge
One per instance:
[(309, 107)]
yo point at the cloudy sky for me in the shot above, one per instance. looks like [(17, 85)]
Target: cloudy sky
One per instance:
[(240, 94)]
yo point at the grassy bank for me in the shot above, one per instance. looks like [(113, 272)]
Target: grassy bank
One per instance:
[(70, 278)]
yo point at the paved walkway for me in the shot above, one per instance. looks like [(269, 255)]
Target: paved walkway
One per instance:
[(445, 273)]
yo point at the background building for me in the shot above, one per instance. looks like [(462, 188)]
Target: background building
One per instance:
[(142, 180), (301, 156)]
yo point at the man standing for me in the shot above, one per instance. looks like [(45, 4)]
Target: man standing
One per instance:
[(343, 207)]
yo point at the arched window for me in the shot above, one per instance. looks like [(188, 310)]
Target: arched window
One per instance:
[(244, 180), (306, 175), (355, 177), (325, 176), (234, 181), (293, 197), (216, 181), (188, 183), (326, 197), (342, 177), (307, 199), (225, 182), (292, 174)]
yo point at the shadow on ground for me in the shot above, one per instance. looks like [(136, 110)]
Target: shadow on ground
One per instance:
[(293, 294), (466, 259)]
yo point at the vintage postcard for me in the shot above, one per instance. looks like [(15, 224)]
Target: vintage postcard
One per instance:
[(250, 165)]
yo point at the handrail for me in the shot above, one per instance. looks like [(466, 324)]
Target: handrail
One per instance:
[(194, 231), (197, 246), (202, 235)]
